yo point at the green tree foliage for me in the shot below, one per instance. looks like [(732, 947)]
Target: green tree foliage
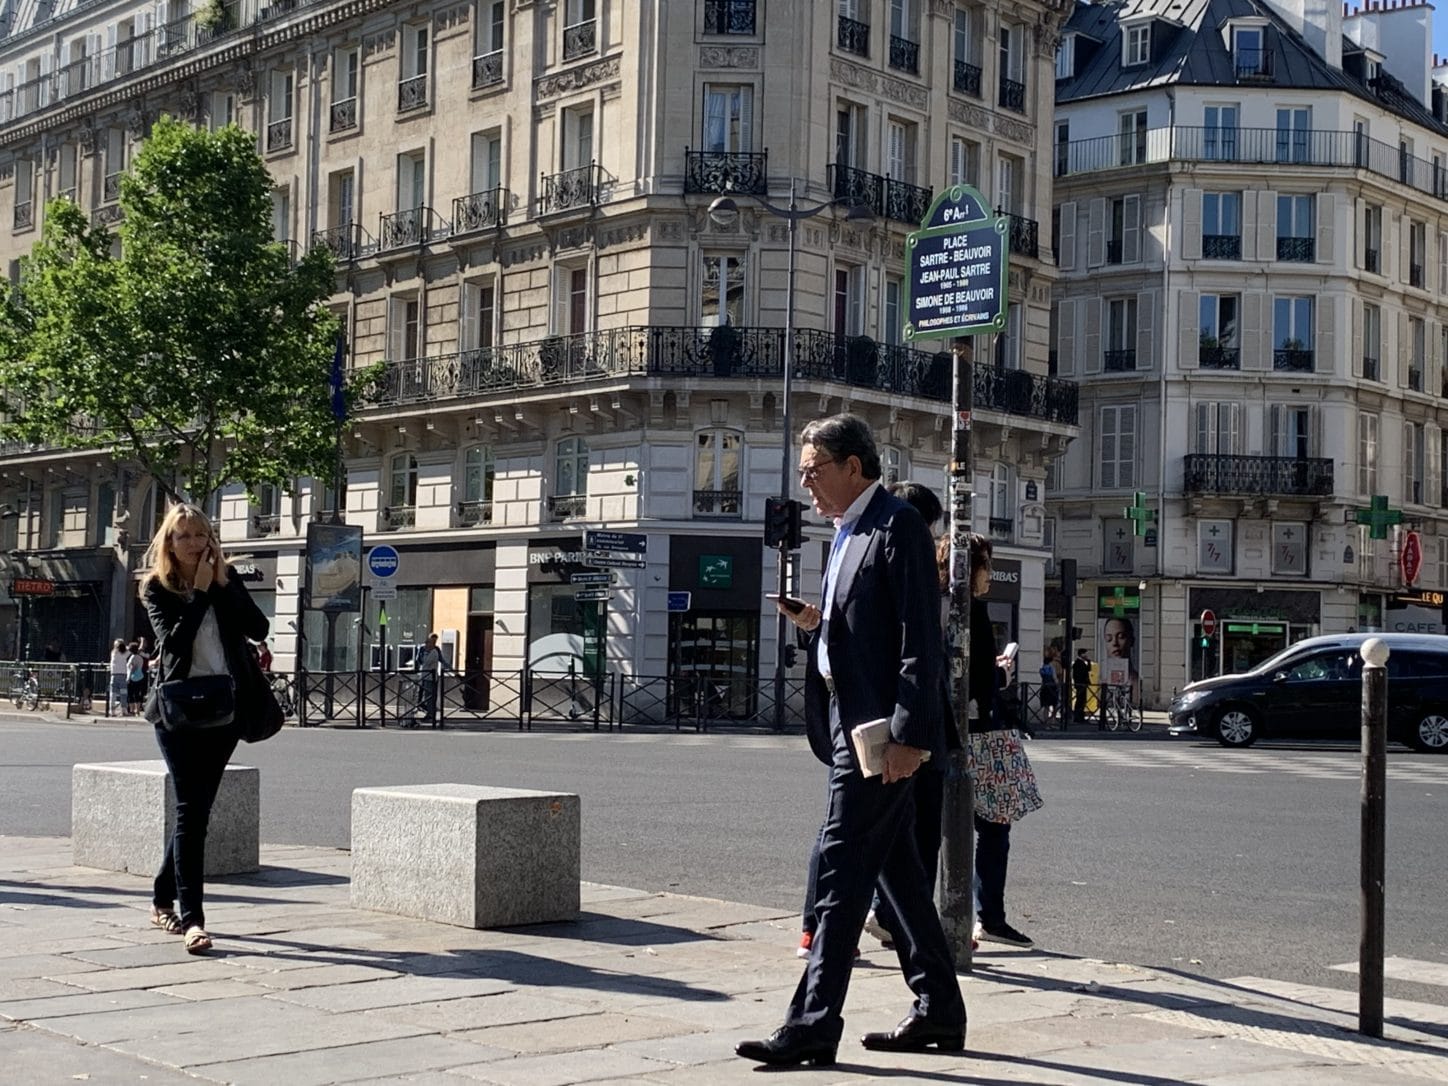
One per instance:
[(197, 348)]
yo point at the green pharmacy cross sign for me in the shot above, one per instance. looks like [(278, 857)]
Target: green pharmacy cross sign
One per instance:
[(1117, 602), (1139, 515), (1377, 516), (955, 269)]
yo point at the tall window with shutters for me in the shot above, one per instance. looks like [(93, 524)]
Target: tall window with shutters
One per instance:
[(964, 162), (1218, 428), (404, 321), (1367, 454), (1415, 462), (477, 315), (1116, 446), (728, 118), (1131, 128), (1290, 431), (849, 300)]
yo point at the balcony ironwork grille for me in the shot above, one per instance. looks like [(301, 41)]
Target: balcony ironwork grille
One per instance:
[(1219, 358), (24, 215), (1252, 63), (412, 93), (344, 115), (853, 36), (857, 188), (1292, 360), (410, 226), (1023, 234), (344, 242), (727, 171), (480, 210), (567, 506), (396, 518), (578, 187), (104, 216), (1113, 252), (904, 54), (474, 513), (263, 524), (754, 354), (279, 134), (1120, 361), (729, 16), (1297, 250), (721, 504), (580, 39), (967, 78), (905, 202), (1012, 95), (1219, 473), (111, 187), (1221, 247), (488, 69), (1370, 368), (1002, 529), (1370, 260)]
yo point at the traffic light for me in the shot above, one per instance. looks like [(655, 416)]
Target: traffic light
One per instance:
[(1206, 642), (791, 655), (1076, 633), (782, 523)]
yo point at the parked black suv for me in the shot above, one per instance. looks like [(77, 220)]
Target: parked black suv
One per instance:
[(1314, 689)]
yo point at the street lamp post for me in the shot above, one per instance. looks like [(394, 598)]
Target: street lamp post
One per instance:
[(723, 212)]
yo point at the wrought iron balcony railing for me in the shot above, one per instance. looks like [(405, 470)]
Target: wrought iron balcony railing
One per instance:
[(720, 504), (488, 69), (480, 211), (1221, 247), (1218, 473), (111, 187), (1024, 235), (396, 518), (729, 16), (24, 215), (344, 242), (727, 171), (857, 188), (107, 214), (1252, 63), (904, 54), (905, 202), (853, 36), (1294, 360), (1219, 358), (732, 353), (411, 226), (967, 78), (580, 39), (567, 506), (1118, 361), (1370, 260), (412, 93), (569, 189), (279, 134), (474, 513), (1370, 368), (1013, 95), (1002, 529), (1297, 250), (264, 524), (343, 115)]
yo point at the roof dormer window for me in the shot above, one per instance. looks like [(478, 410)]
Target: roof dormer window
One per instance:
[(1136, 45), (1249, 51)]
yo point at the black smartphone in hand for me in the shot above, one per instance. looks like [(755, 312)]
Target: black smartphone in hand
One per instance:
[(793, 604)]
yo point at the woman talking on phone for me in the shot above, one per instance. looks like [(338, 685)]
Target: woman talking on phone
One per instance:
[(202, 615)]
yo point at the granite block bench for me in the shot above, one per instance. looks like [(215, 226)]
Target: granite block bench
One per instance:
[(122, 815), (466, 854)]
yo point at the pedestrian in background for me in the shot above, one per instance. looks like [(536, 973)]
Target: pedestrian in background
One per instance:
[(135, 678), (118, 701), (1050, 686), (1081, 680), (1004, 783), (203, 617), (429, 665)]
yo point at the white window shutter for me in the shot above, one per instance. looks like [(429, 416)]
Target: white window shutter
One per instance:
[(468, 317), (1131, 230), (1254, 356), (44, 95), (1091, 340), (1109, 445), (1325, 334), (1066, 337), (1276, 438), (1145, 329), (1388, 224), (1266, 225), (1326, 215), (1206, 428), (397, 331), (1096, 234), (1126, 447), (1189, 334), (1066, 243), (1192, 224), (1357, 339), (1359, 238), (1233, 428), (1400, 353)]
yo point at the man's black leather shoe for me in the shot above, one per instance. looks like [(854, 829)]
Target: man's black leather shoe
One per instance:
[(787, 1046), (916, 1034)]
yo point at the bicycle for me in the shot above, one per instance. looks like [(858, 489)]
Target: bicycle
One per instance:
[(26, 692), (1117, 712), (281, 688)]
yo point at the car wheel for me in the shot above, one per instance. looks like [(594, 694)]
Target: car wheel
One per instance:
[(1237, 727), (1431, 734)]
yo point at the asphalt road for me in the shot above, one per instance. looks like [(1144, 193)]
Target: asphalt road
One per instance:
[(1149, 850)]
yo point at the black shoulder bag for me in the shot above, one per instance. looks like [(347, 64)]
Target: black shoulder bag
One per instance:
[(193, 703), (256, 706)]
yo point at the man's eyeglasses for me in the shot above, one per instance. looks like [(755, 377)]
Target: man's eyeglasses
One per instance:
[(809, 472)]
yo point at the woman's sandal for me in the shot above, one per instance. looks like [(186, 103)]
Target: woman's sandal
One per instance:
[(166, 920), (197, 941)]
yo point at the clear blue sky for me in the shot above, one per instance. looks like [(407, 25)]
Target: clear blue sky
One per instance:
[(1440, 29)]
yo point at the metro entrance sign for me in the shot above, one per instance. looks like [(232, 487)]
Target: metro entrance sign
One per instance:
[(956, 281)]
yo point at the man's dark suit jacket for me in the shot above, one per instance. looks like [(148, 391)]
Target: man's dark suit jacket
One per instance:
[(887, 657)]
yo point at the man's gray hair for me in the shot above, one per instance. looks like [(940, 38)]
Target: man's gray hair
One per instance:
[(844, 436)]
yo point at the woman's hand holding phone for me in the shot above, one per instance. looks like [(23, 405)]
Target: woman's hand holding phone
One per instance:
[(206, 569)]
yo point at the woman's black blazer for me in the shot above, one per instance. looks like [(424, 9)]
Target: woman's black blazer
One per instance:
[(175, 620)]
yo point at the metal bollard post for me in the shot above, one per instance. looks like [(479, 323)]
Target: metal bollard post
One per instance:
[(1374, 825)]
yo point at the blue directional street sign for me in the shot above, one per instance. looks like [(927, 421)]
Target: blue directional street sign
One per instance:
[(382, 561), (956, 269), (679, 602)]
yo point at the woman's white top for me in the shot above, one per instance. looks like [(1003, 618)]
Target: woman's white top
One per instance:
[(207, 655), (120, 659)]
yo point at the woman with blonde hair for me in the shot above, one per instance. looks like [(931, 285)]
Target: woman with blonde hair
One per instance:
[(202, 615)]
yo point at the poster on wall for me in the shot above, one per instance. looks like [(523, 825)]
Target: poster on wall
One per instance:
[(1118, 611), (334, 567)]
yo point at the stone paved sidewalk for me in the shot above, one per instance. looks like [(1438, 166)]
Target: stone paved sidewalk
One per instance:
[(645, 988)]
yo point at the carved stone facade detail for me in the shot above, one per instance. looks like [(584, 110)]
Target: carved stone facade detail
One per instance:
[(982, 120), (626, 235), (908, 94), (577, 78), (136, 123), (85, 138), (245, 80), (523, 254), (671, 230), (728, 56)]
